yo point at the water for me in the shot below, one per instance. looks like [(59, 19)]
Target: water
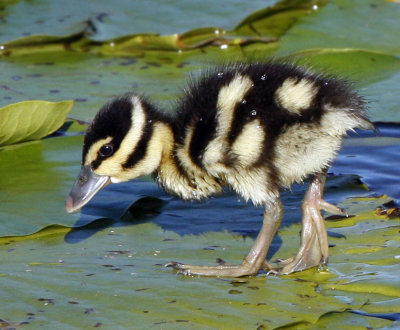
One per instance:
[(375, 157), (366, 156)]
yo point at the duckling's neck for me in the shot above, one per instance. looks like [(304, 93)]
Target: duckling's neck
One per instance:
[(172, 174), (167, 172)]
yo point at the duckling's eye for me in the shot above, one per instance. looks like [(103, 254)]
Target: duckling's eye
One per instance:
[(106, 150)]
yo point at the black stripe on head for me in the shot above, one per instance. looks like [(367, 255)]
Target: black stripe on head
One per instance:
[(141, 148), (113, 120), (153, 115)]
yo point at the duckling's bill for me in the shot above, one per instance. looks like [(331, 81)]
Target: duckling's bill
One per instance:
[(87, 184)]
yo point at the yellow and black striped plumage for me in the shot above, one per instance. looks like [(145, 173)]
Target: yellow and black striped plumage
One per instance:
[(252, 127)]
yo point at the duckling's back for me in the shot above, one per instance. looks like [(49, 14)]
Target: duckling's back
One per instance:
[(257, 127)]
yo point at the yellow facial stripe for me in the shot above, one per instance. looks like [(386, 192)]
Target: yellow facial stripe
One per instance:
[(94, 150)]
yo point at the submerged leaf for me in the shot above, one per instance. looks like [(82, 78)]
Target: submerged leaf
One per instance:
[(393, 212), (274, 21), (31, 120), (262, 26)]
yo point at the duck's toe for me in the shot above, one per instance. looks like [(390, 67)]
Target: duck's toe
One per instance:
[(223, 270), (314, 247)]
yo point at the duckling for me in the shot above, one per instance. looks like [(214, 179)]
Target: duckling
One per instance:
[(254, 128)]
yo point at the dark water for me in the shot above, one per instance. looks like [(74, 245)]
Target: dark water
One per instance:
[(375, 157), (370, 158)]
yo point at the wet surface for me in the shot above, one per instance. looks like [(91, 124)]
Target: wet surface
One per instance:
[(375, 157), (367, 158)]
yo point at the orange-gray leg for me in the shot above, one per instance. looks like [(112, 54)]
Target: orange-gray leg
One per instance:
[(314, 249), (254, 261)]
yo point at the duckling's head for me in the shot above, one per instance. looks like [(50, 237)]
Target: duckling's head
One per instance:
[(124, 141)]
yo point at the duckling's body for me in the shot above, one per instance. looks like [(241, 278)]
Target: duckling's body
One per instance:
[(252, 127)]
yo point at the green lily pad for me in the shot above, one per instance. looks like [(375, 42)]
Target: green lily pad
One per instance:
[(357, 39), (36, 178), (104, 265), (89, 80), (362, 24), (31, 120), (105, 21), (161, 74), (348, 320), (269, 23), (142, 291), (374, 73), (263, 26), (362, 67), (274, 21)]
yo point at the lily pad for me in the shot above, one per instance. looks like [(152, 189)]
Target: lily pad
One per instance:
[(104, 265), (34, 268), (37, 177), (275, 20), (360, 66), (44, 64), (347, 24), (89, 80), (271, 22), (31, 120), (354, 38), (122, 17)]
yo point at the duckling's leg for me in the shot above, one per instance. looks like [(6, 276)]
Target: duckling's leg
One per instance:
[(254, 261), (314, 249)]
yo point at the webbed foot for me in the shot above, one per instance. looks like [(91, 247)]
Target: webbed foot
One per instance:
[(254, 261)]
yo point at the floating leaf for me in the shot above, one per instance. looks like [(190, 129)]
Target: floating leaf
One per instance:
[(370, 67), (35, 266), (90, 80), (84, 271), (348, 320), (262, 26), (106, 21), (31, 120), (274, 21), (36, 178), (361, 24)]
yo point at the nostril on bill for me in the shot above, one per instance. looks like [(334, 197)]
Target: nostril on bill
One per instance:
[(82, 180)]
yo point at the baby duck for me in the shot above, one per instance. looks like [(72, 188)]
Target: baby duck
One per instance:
[(255, 128)]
